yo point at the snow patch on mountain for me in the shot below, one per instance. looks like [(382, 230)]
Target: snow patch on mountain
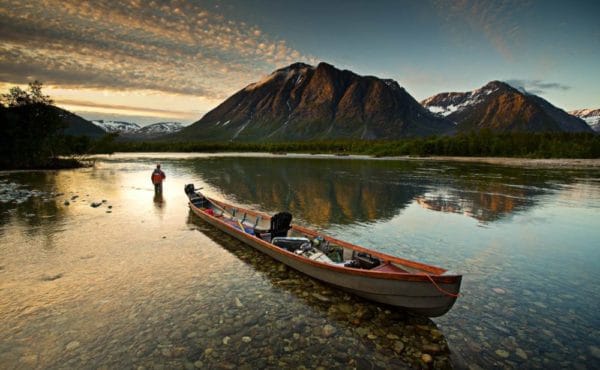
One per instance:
[(456, 102), (117, 126), (590, 116), (297, 71), (160, 128), (133, 130)]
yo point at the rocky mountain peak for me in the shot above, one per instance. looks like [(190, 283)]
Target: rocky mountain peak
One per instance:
[(302, 102), (500, 107)]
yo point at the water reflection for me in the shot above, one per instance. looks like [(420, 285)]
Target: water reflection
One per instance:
[(326, 192), (159, 201), (322, 324), (160, 294)]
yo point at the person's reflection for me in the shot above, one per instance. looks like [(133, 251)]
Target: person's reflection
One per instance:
[(159, 202)]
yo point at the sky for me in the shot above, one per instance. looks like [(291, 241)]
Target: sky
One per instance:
[(174, 60)]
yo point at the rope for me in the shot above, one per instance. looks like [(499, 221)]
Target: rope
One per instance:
[(438, 287)]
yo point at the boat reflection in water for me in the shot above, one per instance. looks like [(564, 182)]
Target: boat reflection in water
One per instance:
[(310, 317)]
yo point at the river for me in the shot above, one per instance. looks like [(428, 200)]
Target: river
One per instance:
[(138, 281)]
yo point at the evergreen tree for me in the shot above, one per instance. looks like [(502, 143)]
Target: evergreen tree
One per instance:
[(30, 128)]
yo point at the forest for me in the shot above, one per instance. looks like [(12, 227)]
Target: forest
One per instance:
[(473, 144)]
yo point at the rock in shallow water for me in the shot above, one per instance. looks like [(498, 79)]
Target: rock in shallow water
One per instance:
[(47, 277), (320, 297), (519, 352), (502, 353), (431, 348), (328, 331)]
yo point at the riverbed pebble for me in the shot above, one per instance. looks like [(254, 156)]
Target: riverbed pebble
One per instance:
[(502, 353), (72, 345)]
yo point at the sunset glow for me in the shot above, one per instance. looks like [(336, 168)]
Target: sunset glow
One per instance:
[(178, 59)]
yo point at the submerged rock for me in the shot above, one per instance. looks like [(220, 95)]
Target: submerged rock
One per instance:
[(320, 297), (95, 204), (238, 303), (502, 353), (52, 277), (519, 352), (72, 345), (328, 331)]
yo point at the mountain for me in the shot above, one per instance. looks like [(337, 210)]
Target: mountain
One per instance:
[(590, 116), (502, 108), (77, 126), (302, 102), (117, 126), (159, 129), (133, 131)]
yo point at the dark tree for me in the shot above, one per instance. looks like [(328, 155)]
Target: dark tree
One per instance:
[(30, 128)]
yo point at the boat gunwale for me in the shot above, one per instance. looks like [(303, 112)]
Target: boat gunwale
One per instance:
[(435, 272)]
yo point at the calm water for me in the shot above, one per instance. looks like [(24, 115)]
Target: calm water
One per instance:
[(139, 282)]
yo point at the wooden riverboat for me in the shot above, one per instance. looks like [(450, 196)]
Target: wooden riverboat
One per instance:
[(422, 289)]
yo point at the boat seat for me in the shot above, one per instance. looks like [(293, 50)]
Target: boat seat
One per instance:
[(280, 224), (388, 267)]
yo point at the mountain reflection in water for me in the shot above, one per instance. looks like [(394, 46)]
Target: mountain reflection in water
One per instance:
[(135, 282), (326, 192)]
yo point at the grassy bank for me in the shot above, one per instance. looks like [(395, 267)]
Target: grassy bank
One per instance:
[(483, 144)]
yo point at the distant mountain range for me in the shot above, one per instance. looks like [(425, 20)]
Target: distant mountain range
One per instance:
[(502, 108), (129, 130), (120, 127), (590, 116), (302, 102)]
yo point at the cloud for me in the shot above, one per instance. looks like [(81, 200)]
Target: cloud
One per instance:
[(83, 104), (537, 87), (495, 20), (172, 46)]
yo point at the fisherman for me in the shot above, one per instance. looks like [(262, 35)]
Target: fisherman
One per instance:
[(157, 178)]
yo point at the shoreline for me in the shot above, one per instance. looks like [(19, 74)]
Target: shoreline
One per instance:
[(524, 162), (570, 163)]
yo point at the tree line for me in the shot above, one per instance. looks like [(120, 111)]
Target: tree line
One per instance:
[(32, 132), (32, 136), (473, 144)]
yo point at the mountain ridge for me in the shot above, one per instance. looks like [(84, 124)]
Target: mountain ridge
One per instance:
[(132, 130), (303, 102), (590, 116), (502, 108)]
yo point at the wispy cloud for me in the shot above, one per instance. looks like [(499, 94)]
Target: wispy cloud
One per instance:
[(496, 20), (83, 105), (537, 86), (172, 46)]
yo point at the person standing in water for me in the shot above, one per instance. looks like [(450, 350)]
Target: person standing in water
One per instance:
[(157, 178)]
